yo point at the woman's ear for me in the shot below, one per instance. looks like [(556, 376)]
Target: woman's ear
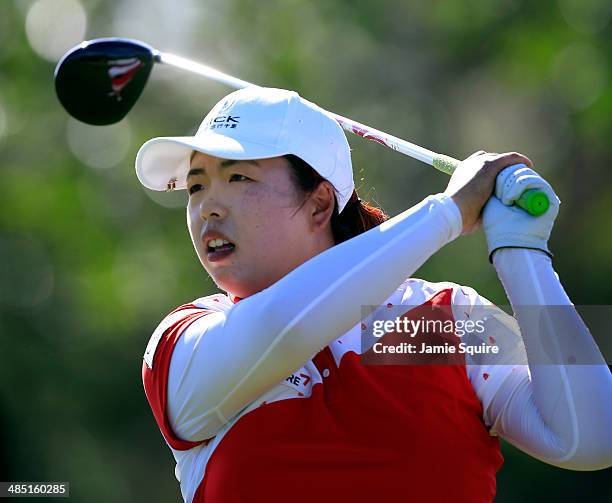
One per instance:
[(322, 203)]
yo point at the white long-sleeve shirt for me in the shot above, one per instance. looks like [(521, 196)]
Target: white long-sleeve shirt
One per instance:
[(219, 374)]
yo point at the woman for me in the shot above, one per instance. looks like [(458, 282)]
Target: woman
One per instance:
[(260, 393)]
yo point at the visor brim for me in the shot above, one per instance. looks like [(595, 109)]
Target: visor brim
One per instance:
[(163, 163)]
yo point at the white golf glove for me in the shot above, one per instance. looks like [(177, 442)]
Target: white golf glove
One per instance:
[(507, 225)]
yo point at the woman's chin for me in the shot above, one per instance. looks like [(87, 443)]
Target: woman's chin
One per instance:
[(235, 286)]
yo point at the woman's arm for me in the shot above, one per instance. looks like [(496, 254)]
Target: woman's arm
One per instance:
[(224, 361), (558, 413)]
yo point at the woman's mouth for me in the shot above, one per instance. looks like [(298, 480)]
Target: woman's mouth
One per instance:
[(219, 249)]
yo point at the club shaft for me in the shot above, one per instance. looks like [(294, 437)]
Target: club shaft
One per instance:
[(444, 163), (403, 146), (203, 70)]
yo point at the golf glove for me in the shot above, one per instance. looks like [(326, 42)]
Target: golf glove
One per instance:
[(507, 225)]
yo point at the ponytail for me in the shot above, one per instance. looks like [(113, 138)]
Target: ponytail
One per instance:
[(356, 217)]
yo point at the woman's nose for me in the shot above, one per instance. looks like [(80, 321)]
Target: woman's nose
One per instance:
[(212, 208)]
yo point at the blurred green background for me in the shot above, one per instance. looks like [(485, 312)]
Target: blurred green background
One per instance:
[(90, 261)]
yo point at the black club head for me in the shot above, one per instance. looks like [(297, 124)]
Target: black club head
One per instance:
[(99, 80)]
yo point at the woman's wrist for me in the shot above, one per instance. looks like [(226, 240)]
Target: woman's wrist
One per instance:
[(451, 212)]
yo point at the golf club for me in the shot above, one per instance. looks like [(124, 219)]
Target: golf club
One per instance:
[(99, 81)]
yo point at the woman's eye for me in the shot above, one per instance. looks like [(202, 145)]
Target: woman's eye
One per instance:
[(237, 175), (194, 188)]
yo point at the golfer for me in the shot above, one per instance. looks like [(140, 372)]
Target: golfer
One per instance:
[(263, 392)]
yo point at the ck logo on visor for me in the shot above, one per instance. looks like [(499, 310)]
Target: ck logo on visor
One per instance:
[(224, 121)]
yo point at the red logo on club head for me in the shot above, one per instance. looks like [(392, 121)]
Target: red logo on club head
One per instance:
[(121, 72)]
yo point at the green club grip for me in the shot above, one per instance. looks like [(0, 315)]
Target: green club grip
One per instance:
[(533, 201)]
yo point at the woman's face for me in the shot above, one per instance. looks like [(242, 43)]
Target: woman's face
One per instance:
[(254, 205)]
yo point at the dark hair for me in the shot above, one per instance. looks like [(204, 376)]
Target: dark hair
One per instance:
[(356, 217)]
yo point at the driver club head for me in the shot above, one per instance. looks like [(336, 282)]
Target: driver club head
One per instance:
[(99, 80)]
